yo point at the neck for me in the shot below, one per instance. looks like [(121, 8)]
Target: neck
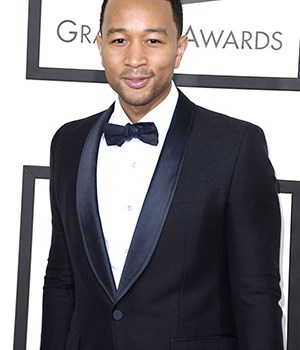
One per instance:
[(136, 112)]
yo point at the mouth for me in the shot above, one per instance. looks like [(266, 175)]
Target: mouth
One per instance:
[(136, 82)]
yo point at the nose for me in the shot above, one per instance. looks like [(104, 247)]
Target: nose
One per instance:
[(135, 55)]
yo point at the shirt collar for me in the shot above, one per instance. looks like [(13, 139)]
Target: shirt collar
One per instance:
[(161, 115)]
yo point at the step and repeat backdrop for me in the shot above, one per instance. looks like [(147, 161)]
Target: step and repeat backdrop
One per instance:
[(243, 49), (237, 44)]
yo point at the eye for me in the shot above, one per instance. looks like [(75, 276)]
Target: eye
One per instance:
[(154, 41), (119, 41)]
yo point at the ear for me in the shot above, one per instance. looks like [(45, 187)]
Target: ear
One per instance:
[(99, 44), (181, 47)]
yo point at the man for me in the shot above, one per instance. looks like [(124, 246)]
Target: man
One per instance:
[(171, 243)]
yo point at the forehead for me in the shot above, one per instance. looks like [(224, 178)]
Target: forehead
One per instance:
[(138, 14)]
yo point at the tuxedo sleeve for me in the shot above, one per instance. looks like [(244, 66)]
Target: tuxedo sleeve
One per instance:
[(253, 238), (58, 297)]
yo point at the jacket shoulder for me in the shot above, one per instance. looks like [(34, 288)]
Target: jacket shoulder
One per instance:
[(213, 121), (224, 122), (77, 126), (75, 131), (220, 132)]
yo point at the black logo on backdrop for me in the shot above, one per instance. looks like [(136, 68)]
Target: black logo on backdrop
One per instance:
[(239, 40), (69, 31)]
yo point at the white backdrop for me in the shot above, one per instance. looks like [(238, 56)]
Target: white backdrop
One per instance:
[(32, 110)]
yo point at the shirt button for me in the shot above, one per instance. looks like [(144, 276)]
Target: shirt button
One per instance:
[(129, 208), (117, 315), (134, 164)]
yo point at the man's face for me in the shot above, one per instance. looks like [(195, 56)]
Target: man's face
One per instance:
[(140, 49)]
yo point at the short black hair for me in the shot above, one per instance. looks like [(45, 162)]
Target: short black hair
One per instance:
[(176, 9)]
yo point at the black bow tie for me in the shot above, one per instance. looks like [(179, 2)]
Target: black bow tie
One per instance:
[(118, 134)]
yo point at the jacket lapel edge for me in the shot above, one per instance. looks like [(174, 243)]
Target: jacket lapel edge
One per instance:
[(87, 208), (159, 197)]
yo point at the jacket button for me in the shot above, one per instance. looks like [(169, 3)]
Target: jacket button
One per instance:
[(117, 315)]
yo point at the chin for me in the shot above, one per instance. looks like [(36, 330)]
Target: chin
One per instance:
[(136, 99)]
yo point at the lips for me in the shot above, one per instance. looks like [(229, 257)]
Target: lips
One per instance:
[(136, 82)]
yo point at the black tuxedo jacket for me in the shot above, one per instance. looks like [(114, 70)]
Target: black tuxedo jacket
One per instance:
[(202, 269)]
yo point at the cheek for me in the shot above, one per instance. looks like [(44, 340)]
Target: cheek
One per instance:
[(165, 66), (111, 63), (166, 61), (106, 63), (106, 59)]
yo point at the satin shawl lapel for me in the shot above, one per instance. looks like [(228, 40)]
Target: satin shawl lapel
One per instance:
[(159, 196), (87, 208)]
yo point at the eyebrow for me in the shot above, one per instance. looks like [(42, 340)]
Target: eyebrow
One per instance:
[(156, 30), (115, 30), (148, 30)]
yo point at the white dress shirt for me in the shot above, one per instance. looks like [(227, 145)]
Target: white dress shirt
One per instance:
[(123, 178)]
